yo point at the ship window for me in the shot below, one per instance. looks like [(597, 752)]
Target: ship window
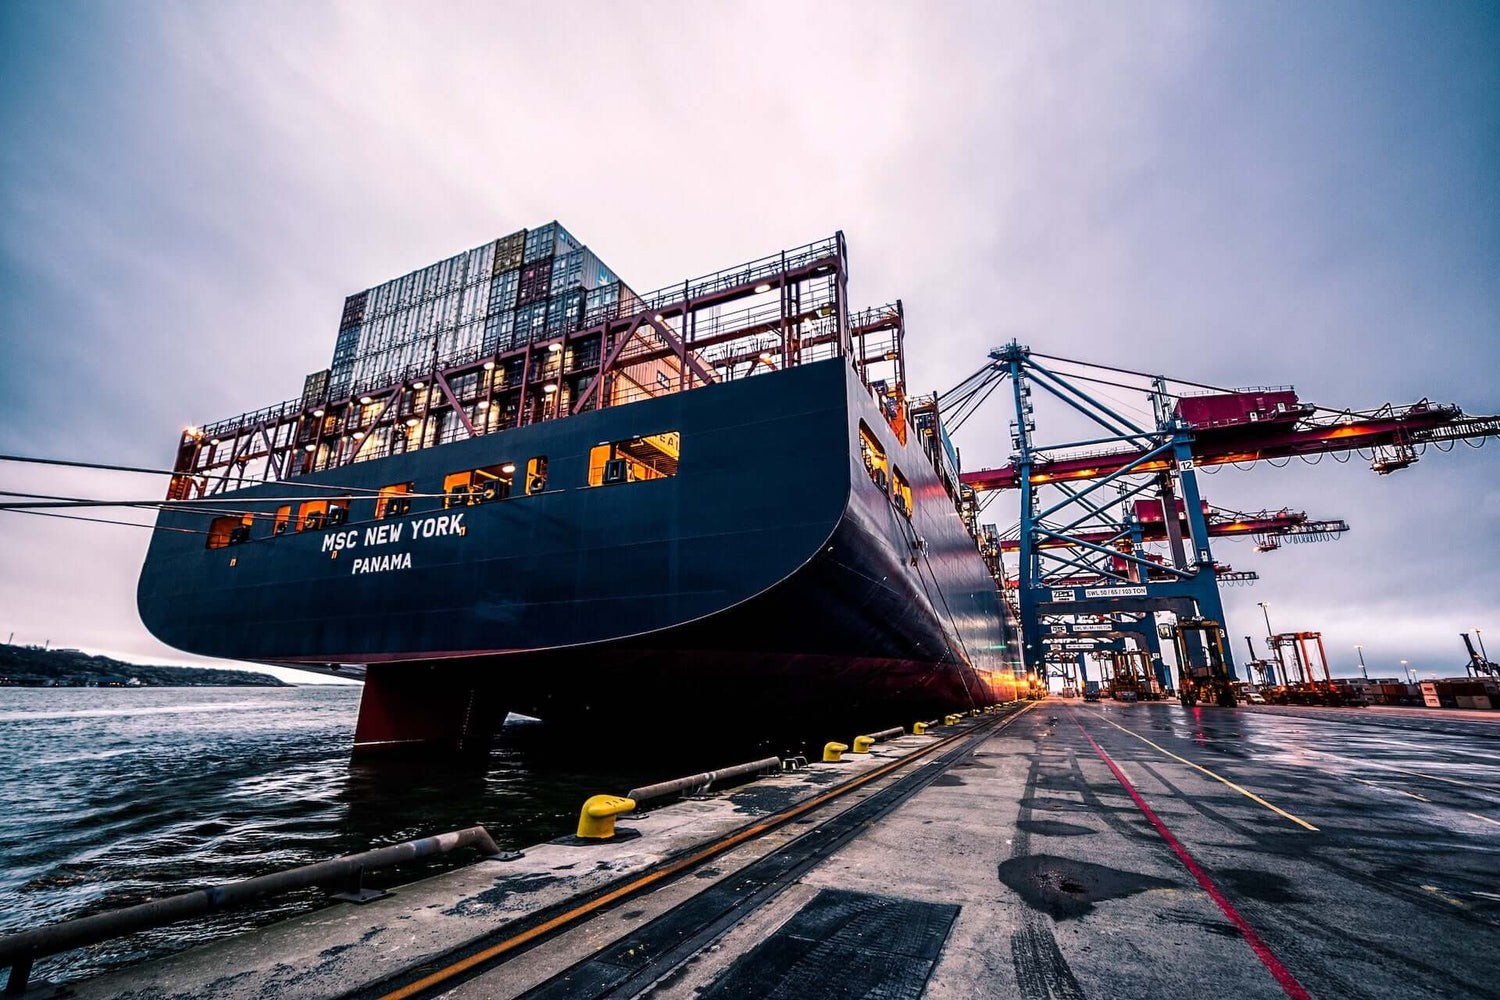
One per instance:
[(283, 520), (392, 501), (311, 514), (874, 457), (338, 513), (900, 491), (536, 475), (456, 489), (492, 482), (233, 529), (633, 460)]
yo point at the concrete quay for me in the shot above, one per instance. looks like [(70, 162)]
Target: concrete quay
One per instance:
[(1054, 850)]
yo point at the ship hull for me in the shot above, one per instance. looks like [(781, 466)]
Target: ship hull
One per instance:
[(768, 585)]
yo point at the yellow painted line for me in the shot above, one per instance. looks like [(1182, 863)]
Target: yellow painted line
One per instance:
[(1496, 822), (1444, 897), (1217, 777)]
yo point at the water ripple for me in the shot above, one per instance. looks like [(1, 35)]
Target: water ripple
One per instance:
[(117, 796)]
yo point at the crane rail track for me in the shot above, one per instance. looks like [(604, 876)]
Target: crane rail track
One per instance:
[(686, 928)]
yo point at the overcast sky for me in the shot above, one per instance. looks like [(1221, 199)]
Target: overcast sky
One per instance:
[(1239, 193)]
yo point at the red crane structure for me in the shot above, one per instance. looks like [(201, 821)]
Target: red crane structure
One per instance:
[(1264, 526), (1242, 426)]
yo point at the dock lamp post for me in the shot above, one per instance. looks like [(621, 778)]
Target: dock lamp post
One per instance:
[(1408, 672), (1267, 614), (1361, 651), (1480, 636)]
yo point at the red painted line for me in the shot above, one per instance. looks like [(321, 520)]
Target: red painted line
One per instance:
[(1263, 952)]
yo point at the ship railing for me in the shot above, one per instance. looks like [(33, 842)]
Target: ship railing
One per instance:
[(741, 274), (1242, 390), (19, 951), (266, 414)]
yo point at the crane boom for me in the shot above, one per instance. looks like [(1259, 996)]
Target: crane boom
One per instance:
[(1263, 425), (1221, 524)]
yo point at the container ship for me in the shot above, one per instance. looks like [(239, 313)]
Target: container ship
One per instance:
[(522, 486)]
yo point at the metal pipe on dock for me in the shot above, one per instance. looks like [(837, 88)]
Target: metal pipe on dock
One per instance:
[(698, 781), (18, 951)]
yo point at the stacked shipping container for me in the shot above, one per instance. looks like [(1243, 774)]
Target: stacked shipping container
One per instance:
[(528, 286)]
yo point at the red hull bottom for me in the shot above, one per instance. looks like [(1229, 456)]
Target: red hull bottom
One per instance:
[(459, 705), (425, 708)]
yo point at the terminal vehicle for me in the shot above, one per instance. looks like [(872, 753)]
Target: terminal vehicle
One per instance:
[(1201, 662)]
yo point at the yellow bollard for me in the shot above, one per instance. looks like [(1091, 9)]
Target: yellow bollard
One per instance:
[(862, 744), (834, 752), (597, 821), (919, 729)]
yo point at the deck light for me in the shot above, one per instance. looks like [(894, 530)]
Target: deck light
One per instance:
[(359, 435), (310, 447), (317, 413), (214, 442), (508, 468), (365, 401), (549, 388), (418, 385), (763, 288), (412, 421), (489, 365), (554, 348), (484, 404), (765, 355), (192, 432)]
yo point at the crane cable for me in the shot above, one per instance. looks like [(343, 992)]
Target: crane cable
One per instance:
[(101, 520), (105, 467), (180, 506)]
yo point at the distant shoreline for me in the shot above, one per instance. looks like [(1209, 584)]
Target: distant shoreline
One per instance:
[(36, 667), (7, 684)]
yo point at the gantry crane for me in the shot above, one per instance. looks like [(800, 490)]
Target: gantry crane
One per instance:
[(1479, 664), (1078, 539)]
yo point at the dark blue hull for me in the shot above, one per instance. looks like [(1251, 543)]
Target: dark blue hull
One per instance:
[(769, 580)]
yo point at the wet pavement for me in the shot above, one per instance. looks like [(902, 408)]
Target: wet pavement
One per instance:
[(1064, 851), (1289, 855)]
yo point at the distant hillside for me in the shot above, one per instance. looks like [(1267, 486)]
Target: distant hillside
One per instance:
[(32, 666)]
